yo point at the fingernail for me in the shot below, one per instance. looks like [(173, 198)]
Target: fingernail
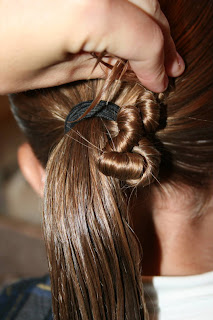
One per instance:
[(166, 82), (162, 86), (179, 66), (180, 61)]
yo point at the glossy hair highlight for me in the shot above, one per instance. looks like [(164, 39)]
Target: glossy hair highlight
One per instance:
[(94, 255)]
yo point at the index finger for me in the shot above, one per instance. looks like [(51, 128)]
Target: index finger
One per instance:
[(174, 64), (123, 29)]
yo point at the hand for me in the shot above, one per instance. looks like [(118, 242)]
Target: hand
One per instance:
[(47, 42)]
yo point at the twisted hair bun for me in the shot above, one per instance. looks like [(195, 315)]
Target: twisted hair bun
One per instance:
[(131, 156)]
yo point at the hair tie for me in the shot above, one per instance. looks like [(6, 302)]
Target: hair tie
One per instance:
[(103, 109)]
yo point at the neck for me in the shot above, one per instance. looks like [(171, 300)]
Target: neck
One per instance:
[(174, 239)]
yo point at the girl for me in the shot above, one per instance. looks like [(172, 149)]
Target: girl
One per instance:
[(124, 167)]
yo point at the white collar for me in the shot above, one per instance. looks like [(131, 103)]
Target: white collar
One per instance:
[(180, 297)]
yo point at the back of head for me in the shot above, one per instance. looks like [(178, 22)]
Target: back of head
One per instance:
[(94, 256)]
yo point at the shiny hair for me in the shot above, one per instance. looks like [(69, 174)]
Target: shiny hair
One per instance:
[(93, 253)]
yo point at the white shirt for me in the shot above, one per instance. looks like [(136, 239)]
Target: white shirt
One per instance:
[(180, 298)]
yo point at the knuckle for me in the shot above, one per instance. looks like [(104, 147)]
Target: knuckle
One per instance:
[(154, 7), (157, 40), (93, 30), (165, 23), (97, 10)]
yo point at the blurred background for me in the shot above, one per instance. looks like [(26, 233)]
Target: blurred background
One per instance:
[(22, 251)]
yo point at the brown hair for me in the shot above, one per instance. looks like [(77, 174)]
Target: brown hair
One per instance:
[(94, 256)]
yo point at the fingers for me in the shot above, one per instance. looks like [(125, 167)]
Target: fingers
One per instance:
[(130, 33), (135, 30), (77, 67), (174, 64)]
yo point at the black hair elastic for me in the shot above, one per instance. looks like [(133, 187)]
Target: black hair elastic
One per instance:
[(103, 109)]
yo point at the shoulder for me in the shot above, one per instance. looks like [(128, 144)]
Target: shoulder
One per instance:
[(27, 299)]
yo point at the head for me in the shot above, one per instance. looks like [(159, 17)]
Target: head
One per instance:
[(94, 256)]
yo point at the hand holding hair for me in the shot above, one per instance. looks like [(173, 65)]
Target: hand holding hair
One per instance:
[(125, 168), (47, 43)]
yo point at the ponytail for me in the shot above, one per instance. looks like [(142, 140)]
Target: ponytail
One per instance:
[(94, 256)]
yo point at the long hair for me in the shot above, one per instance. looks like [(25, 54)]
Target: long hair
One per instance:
[(93, 253)]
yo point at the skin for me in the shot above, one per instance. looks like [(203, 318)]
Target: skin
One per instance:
[(43, 47), (173, 243)]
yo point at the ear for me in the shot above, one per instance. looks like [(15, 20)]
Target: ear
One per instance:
[(31, 168)]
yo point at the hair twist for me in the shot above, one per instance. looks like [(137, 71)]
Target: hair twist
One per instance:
[(150, 111), (131, 156)]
